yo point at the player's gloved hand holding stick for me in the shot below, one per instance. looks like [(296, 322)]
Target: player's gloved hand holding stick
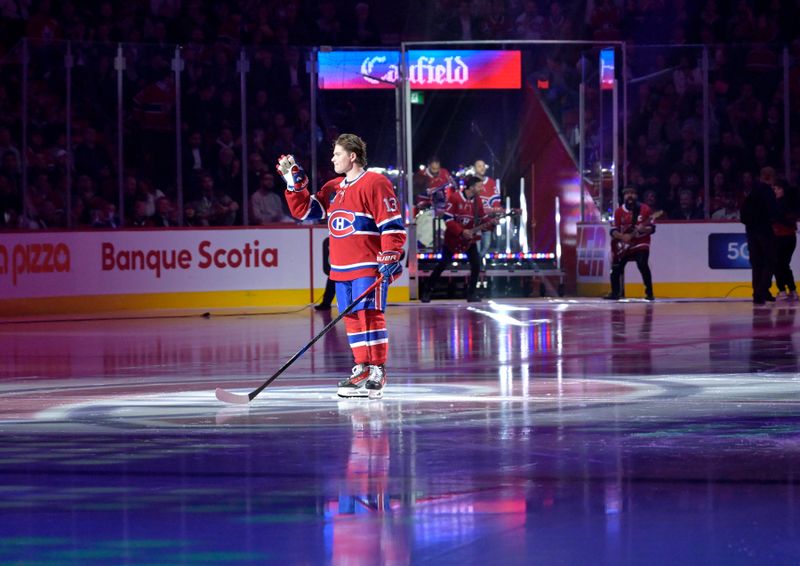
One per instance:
[(389, 268), (296, 179), (389, 265)]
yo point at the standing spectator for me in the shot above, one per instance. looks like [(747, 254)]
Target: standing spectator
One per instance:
[(785, 230), (758, 213)]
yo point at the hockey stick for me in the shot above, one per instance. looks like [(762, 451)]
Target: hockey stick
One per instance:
[(228, 397)]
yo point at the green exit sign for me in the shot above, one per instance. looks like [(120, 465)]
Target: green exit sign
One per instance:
[(417, 97)]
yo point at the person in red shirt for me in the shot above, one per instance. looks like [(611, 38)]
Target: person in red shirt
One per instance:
[(465, 220), (432, 185), (492, 201), (366, 241), (630, 241)]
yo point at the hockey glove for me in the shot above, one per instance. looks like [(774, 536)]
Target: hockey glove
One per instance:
[(389, 265), (292, 173)]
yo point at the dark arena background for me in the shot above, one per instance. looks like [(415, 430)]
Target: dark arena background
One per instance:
[(171, 351)]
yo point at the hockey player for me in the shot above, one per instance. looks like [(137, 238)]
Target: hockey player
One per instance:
[(366, 240)]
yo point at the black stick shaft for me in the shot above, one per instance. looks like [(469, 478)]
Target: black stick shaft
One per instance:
[(322, 333)]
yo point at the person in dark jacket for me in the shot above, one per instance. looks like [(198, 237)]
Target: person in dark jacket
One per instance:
[(330, 286), (759, 211), (785, 230)]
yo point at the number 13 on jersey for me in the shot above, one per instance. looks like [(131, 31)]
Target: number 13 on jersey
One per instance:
[(391, 204)]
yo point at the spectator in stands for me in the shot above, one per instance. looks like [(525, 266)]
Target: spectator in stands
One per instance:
[(266, 206), (328, 26), (652, 168), (462, 25), (227, 173), (719, 188), (651, 200), (530, 23), (746, 113), (149, 195), (104, 214), (90, 156), (195, 158), (6, 145), (165, 214), (687, 78), (361, 28), (213, 208), (557, 25), (256, 168), (687, 207), (497, 24), (728, 210), (139, 217), (605, 20)]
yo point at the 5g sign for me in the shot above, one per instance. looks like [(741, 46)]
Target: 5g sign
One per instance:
[(728, 251)]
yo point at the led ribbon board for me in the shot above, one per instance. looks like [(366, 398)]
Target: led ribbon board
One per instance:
[(428, 70)]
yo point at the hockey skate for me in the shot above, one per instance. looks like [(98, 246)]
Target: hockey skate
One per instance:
[(354, 386), (376, 382)]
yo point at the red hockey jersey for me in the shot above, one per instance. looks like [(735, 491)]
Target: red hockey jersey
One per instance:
[(364, 218), (625, 223), (429, 187), (490, 195), (459, 214)]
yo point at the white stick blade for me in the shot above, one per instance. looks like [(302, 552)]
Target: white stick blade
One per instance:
[(233, 398)]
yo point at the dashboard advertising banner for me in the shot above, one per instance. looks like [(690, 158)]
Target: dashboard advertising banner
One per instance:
[(85, 263), (728, 251)]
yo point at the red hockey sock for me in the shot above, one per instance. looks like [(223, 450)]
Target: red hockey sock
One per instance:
[(377, 336), (356, 332)]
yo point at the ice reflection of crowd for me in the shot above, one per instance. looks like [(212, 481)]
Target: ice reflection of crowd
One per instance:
[(665, 150)]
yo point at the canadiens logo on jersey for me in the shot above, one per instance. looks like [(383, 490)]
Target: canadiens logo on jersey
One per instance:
[(341, 223)]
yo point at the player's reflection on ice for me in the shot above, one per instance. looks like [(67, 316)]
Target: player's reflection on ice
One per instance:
[(361, 528)]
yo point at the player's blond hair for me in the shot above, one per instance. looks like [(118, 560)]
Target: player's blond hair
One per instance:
[(351, 143)]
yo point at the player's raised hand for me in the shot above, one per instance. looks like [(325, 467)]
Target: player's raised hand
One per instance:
[(292, 173)]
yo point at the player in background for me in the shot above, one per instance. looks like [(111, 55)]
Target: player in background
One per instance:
[(366, 240)]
